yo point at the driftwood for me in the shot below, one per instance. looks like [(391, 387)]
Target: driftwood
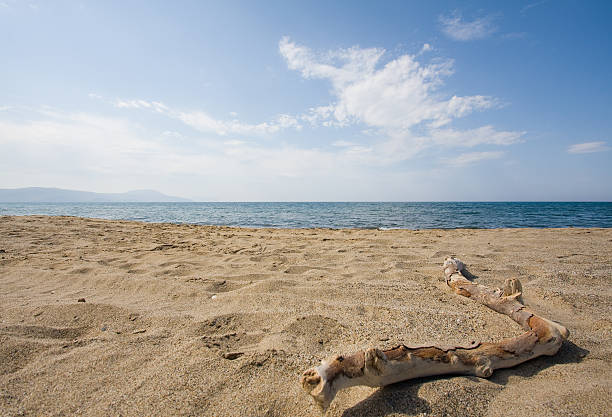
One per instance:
[(376, 368)]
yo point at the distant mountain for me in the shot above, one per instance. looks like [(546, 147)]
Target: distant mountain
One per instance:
[(58, 195)]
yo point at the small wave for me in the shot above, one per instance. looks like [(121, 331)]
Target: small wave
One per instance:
[(371, 216)]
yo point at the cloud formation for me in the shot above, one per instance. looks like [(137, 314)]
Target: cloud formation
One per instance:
[(588, 147), (399, 98), (381, 112), (80, 150), (400, 94), (461, 30)]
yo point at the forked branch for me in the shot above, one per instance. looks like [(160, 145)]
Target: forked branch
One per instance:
[(376, 368)]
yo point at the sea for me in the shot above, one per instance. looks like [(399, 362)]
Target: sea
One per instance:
[(368, 215)]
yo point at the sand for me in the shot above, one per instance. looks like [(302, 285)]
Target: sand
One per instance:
[(218, 321)]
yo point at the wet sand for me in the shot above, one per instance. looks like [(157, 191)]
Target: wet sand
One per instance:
[(218, 321)]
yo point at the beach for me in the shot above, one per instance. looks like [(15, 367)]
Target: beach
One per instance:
[(101, 317)]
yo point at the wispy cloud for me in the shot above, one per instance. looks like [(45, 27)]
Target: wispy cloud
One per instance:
[(343, 143), (13, 4), (459, 29), (67, 147), (141, 104), (59, 148), (474, 137), (514, 35), (530, 6), (204, 122), (471, 158), (588, 147)]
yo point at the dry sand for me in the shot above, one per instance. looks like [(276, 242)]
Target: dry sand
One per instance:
[(218, 321)]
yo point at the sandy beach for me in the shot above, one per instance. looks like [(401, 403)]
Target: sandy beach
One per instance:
[(219, 321)]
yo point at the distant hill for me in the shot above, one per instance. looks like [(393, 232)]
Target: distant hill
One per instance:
[(58, 195)]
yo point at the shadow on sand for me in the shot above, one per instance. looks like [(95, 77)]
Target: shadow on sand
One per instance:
[(402, 398)]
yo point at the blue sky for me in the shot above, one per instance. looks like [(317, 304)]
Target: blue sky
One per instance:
[(309, 101)]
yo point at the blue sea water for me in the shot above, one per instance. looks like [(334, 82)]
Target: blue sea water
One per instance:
[(384, 215)]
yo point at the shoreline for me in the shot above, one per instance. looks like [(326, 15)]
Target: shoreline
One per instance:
[(151, 339), (380, 229), (409, 216)]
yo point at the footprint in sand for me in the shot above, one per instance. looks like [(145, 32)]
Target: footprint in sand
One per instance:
[(271, 286), (230, 342), (16, 354), (227, 334), (314, 332), (217, 285), (83, 270), (42, 332), (225, 323), (300, 269)]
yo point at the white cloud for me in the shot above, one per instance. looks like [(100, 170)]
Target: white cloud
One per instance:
[(141, 104), (171, 134), (400, 95), (473, 137), (343, 143), (234, 142), (75, 130), (471, 158), (426, 48), (355, 63), (588, 147), (320, 116), (205, 123), (285, 121), (399, 102), (460, 30)]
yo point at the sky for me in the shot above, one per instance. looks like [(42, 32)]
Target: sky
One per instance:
[(309, 101)]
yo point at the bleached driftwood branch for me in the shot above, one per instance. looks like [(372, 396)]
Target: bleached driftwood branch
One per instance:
[(376, 368)]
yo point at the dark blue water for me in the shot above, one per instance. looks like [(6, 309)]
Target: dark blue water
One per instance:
[(337, 215)]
